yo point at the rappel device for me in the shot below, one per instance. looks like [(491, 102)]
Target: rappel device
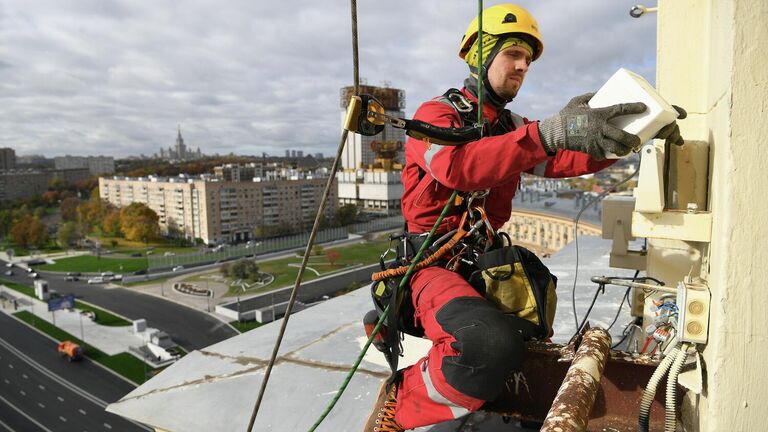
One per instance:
[(365, 116)]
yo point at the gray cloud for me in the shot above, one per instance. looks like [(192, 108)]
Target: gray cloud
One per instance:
[(117, 77)]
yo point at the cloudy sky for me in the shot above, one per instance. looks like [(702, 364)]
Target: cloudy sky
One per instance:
[(116, 77)]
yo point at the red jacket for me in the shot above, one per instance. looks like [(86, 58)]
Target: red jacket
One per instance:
[(493, 163)]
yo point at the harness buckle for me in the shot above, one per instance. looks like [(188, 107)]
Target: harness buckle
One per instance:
[(460, 102)]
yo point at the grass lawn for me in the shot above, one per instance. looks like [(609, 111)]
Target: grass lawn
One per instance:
[(26, 290), (124, 364), (128, 246), (103, 317), (244, 326), (92, 264), (363, 253)]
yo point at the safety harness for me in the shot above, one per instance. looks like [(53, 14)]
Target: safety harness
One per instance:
[(511, 277)]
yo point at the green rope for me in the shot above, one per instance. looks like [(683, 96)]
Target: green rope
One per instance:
[(383, 317), (480, 74), (427, 242)]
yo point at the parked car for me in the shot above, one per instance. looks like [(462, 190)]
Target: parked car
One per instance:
[(140, 272), (169, 253), (177, 268), (73, 274), (71, 278), (95, 280), (8, 273), (136, 254), (34, 275), (9, 265)]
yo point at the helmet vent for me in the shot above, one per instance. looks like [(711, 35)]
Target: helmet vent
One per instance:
[(509, 18)]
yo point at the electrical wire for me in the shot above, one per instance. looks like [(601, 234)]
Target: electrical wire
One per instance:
[(576, 236)]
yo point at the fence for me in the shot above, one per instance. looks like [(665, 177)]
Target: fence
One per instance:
[(260, 247)]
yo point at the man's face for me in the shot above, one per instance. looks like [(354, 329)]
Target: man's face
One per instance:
[(507, 71)]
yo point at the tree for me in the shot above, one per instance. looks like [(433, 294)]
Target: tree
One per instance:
[(317, 250), (111, 224), (139, 222), (345, 215), (244, 269), (332, 255), (29, 232), (68, 208), (69, 234), (6, 222), (224, 269), (91, 213)]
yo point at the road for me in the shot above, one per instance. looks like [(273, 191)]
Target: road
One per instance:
[(189, 328), (39, 391)]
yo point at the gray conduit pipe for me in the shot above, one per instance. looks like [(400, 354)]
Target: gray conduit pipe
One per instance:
[(670, 419), (650, 390)]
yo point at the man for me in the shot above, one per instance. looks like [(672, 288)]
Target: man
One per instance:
[(475, 346)]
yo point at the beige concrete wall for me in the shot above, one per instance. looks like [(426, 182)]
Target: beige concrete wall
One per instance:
[(712, 60)]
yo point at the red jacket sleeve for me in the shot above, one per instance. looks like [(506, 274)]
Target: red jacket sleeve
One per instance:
[(478, 165), (491, 161)]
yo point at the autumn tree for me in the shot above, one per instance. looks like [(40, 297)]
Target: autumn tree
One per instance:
[(69, 234), (110, 226), (68, 208), (91, 213), (29, 232), (333, 256), (139, 222)]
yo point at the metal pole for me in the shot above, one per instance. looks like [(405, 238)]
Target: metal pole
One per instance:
[(82, 333), (571, 408)]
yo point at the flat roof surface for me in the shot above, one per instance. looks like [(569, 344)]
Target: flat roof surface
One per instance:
[(215, 388)]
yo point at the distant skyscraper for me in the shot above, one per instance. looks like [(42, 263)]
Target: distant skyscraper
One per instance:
[(357, 151), (180, 151), (299, 153)]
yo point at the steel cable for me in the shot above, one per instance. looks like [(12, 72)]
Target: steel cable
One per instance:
[(315, 228)]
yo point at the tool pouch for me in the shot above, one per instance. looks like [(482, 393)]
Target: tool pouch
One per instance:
[(518, 283)]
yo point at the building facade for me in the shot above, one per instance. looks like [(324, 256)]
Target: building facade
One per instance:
[(95, 164), (16, 184), (545, 233), (372, 165), (7, 158), (222, 211)]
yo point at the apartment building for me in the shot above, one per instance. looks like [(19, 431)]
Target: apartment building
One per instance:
[(217, 210), (95, 164), (20, 183)]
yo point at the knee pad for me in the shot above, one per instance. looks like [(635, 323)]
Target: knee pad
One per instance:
[(489, 344)]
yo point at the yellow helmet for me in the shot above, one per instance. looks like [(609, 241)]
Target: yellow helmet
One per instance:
[(504, 19)]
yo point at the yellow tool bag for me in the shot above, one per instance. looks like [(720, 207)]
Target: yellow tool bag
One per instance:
[(518, 283)]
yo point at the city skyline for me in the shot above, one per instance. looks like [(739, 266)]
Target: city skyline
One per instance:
[(117, 78)]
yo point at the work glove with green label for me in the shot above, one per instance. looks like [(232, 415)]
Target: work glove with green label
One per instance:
[(581, 128)]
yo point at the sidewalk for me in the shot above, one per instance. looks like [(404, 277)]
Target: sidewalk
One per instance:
[(110, 340)]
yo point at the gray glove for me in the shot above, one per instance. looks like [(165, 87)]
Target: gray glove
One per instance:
[(581, 128), (671, 133)]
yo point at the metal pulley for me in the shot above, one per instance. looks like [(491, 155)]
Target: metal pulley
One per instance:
[(366, 116)]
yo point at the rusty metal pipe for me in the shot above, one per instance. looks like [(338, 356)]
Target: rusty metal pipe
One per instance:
[(573, 403)]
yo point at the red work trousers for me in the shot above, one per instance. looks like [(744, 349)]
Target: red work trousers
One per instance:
[(475, 347)]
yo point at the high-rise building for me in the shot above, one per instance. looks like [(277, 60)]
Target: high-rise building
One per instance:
[(357, 151), (372, 164), (7, 158), (180, 152)]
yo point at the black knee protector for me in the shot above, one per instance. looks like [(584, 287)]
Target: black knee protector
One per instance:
[(490, 347)]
